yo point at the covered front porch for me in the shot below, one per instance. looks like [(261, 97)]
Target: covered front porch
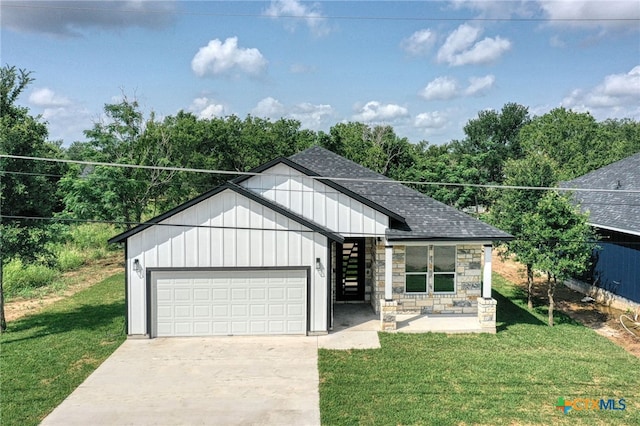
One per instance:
[(361, 317), (356, 326), (369, 289)]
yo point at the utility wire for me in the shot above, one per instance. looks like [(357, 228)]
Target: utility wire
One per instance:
[(222, 227), (335, 179), (295, 191)]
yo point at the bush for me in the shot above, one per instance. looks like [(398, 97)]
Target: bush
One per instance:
[(69, 258), (18, 278), (92, 236)]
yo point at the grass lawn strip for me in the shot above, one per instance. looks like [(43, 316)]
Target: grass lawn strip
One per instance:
[(45, 356), (513, 377)]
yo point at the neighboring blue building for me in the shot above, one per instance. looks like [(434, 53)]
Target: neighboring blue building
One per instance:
[(615, 215)]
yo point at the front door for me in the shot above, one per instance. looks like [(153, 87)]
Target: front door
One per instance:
[(350, 269)]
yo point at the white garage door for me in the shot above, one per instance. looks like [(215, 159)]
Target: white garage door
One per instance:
[(236, 302)]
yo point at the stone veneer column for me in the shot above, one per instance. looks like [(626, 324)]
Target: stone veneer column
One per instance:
[(388, 312), (487, 314)]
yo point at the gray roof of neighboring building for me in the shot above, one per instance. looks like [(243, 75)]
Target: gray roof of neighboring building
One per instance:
[(615, 210), (426, 218)]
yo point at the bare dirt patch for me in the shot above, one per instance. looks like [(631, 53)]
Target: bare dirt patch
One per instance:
[(604, 320), (78, 280)]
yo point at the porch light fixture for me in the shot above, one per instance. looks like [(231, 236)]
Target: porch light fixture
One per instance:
[(137, 266), (318, 264)]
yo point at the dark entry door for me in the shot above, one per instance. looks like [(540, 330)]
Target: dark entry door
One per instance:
[(350, 269)]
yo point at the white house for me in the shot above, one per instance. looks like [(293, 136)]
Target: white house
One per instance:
[(272, 252)]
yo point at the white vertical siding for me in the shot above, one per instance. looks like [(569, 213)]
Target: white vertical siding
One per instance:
[(318, 202), (258, 237)]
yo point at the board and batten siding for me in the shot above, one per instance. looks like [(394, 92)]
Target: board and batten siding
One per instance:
[(318, 202), (227, 230)]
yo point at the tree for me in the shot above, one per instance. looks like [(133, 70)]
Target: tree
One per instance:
[(563, 238), (435, 163), (377, 148), (570, 138), (511, 205), (115, 193), (27, 187), (491, 139)]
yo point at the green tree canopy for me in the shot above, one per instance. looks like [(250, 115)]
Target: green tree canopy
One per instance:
[(562, 238)]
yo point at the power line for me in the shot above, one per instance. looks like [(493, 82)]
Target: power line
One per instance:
[(335, 179), (317, 17), (241, 228)]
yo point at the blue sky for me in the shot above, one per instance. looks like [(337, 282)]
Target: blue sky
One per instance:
[(424, 67)]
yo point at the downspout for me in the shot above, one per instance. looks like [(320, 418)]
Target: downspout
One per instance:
[(329, 287), (126, 287)]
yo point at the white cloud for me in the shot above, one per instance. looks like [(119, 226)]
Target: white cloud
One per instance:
[(445, 88), (419, 43), (441, 88), (463, 48), (295, 10), (375, 111), (206, 108), (617, 96), (46, 97), (220, 58), (268, 108), (480, 85), (431, 120), (66, 119), (593, 14), (310, 116), (72, 18)]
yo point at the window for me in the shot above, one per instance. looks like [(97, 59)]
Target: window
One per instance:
[(440, 277), (444, 269), (416, 269)]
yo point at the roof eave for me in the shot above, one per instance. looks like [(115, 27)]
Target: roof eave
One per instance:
[(416, 238)]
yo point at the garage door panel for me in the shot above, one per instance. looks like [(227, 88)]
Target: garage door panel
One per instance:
[(199, 303), (258, 294), (220, 294), (276, 310), (258, 311), (202, 328), (182, 312), (276, 294), (202, 311), (182, 294), (201, 294), (221, 311)]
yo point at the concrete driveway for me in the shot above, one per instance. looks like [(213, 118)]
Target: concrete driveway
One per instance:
[(200, 381)]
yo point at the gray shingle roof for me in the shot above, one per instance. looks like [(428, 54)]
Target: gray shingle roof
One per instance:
[(426, 218), (611, 210)]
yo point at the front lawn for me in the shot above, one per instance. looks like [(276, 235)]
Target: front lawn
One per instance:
[(513, 378), (45, 356)]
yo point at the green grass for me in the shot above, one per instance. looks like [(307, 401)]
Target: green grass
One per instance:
[(45, 356), (512, 378)]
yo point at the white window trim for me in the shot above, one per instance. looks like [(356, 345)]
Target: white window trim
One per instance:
[(430, 274), (426, 274), (454, 272), (426, 278)]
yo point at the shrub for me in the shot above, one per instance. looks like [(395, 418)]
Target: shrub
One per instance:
[(18, 277), (92, 236), (69, 258)]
